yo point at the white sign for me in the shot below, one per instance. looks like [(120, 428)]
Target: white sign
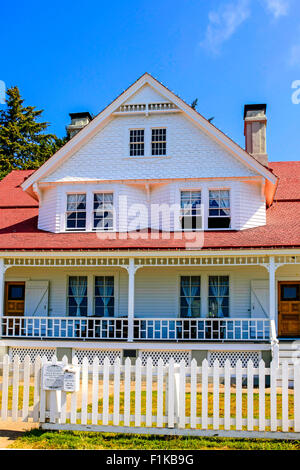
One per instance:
[(60, 377), (53, 376), (71, 379)]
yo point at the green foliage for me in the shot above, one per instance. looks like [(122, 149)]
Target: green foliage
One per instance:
[(23, 143)]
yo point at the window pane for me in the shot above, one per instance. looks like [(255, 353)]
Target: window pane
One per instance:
[(190, 302)]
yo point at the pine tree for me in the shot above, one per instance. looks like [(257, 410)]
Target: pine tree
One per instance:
[(23, 143)]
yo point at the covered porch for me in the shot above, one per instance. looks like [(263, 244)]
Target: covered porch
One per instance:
[(175, 298)]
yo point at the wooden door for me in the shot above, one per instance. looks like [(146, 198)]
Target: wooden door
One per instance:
[(289, 309), (14, 299)]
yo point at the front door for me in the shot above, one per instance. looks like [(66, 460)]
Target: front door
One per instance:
[(289, 309), (14, 299)]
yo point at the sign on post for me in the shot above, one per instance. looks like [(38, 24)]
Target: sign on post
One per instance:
[(60, 377)]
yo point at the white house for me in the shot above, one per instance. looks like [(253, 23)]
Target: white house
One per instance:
[(152, 233)]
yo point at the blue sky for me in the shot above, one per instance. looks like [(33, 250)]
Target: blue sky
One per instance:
[(68, 56)]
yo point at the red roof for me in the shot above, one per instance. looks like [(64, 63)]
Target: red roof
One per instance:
[(18, 223)]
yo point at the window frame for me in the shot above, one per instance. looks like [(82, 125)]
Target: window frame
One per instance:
[(190, 275), (115, 298), (219, 209), (134, 129), (96, 229), (158, 142), (201, 215), (76, 229), (86, 296), (218, 275)]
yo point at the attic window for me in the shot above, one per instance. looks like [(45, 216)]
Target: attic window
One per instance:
[(76, 212), (219, 209), (159, 141), (137, 142)]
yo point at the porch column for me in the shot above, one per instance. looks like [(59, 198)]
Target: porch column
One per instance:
[(2, 283), (272, 288), (131, 283)]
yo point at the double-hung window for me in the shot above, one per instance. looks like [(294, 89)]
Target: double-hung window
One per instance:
[(218, 296), (190, 302), (137, 143), (77, 296), (190, 208), (219, 209), (104, 296), (103, 215), (76, 212), (159, 142)]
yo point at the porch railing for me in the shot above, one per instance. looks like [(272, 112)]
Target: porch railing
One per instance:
[(144, 329)]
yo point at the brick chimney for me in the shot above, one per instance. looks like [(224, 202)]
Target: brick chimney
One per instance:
[(78, 122), (255, 131)]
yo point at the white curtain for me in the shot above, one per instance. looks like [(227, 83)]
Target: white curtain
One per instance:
[(189, 293), (78, 289), (108, 292)]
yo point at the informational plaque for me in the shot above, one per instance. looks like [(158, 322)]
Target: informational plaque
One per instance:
[(71, 379), (53, 376)]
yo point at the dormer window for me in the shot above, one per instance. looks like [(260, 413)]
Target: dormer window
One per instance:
[(103, 212), (137, 143), (190, 208), (159, 142), (219, 209), (76, 212)]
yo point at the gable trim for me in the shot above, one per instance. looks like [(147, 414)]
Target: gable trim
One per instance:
[(106, 116)]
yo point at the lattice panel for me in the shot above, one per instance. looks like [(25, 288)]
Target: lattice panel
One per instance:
[(31, 352), (112, 354), (165, 356), (233, 357)]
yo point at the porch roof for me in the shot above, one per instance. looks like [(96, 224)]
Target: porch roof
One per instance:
[(19, 213)]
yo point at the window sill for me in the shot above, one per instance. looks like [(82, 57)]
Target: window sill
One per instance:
[(148, 157)]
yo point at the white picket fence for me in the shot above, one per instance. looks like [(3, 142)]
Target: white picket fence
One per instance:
[(162, 399)]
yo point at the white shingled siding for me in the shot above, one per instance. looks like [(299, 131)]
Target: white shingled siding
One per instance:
[(144, 209), (251, 206), (156, 290), (190, 153), (146, 94)]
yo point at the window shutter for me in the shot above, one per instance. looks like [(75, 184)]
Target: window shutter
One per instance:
[(36, 298)]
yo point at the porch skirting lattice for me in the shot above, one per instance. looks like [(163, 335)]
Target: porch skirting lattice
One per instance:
[(178, 356), (112, 354), (31, 352), (234, 356)]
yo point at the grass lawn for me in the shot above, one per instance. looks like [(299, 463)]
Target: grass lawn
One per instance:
[(38, 439)]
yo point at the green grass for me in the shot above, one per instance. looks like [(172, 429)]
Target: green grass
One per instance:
[(199, 404), (38, 439), (20, 396)]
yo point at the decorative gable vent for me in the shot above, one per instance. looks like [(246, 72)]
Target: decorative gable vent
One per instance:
[(146, 108)]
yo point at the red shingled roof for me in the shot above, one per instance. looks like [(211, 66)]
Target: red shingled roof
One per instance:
[(18, 223)]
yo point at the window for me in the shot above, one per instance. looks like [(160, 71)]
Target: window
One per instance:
[(137, 142), (219, 209), (159, 141), (76, 212), (104, 301), (190, 208), (77, 296), (103, 211), (218, 296), (190, 296)]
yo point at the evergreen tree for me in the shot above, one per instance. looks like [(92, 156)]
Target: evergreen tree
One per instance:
[(23, 143)]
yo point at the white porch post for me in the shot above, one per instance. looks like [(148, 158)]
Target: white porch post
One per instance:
[(272, 288), (2, 282), (131, 278), (272, 307)]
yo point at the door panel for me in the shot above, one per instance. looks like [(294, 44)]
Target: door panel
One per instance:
[(289, 308), (14, 299)]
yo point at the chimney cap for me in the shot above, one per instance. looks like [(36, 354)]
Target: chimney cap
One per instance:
[(81, 115), (254, 107)]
